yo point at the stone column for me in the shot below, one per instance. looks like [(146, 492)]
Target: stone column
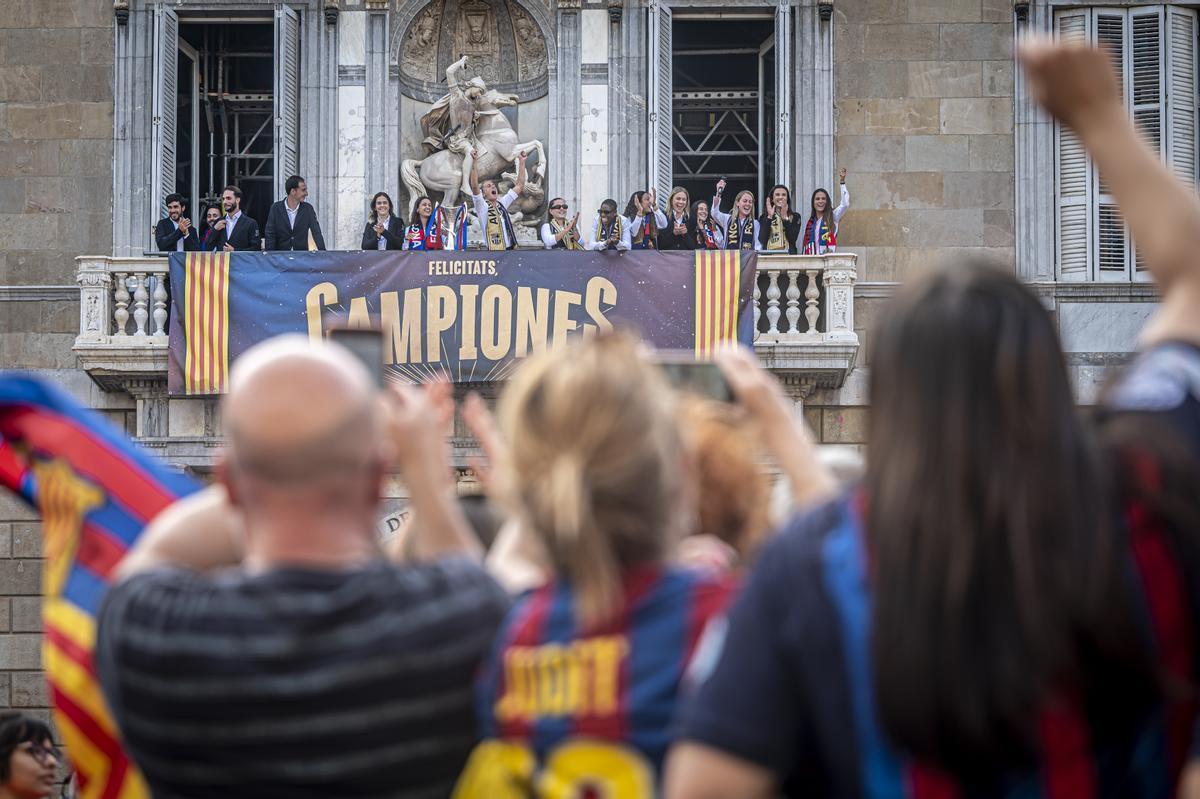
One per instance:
[(565, 107), (627, 92), (133, 77), (319, 116), (813, 111), (840, 276), (152, 406), (381, 160), (1034, 141), (352, 115)]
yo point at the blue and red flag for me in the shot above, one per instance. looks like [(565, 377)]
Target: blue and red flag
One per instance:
[(95, 491)]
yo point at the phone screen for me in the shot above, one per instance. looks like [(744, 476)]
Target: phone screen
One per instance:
[(684, 372), (366, 345)]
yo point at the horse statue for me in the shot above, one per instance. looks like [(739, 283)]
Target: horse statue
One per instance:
[(496, 151)]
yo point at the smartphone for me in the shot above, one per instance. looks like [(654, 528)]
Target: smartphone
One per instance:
[(686, 373), (366, 345)]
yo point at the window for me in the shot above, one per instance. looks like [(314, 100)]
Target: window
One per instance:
[(1154, 52)]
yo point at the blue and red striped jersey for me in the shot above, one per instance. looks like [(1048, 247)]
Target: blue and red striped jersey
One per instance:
[(590, 708)]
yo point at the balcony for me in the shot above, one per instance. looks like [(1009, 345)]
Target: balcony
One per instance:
[(803, 317)]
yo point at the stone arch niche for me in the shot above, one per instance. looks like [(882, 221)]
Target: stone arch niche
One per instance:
[(509, 44)]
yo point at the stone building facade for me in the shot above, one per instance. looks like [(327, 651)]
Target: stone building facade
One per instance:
[(917, 99)]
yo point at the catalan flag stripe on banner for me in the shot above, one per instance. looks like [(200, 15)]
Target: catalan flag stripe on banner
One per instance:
[(206, 322), (718, 288), (95, 491)]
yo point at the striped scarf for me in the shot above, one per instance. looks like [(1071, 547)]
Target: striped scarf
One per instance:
[(740, 235)]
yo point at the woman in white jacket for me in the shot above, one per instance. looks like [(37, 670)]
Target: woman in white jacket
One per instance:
[(740, 226), (820, 234)]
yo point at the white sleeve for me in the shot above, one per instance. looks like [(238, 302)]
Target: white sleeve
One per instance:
[(624, 243), (548, 236), (716, 213), (843, 205), (509, 198), (588, 243), (757, 241), (660, 219), (481, 209)]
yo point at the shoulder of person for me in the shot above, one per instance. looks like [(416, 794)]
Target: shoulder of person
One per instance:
[(456, 576), (1160, 379)]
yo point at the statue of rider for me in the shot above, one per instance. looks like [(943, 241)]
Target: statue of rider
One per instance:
[(450, 123)]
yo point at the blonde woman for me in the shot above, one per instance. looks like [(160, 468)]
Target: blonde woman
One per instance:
[(741, 228), (673, 226), (586, 671)]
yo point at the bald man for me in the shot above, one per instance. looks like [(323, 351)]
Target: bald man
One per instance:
[(260, 643)]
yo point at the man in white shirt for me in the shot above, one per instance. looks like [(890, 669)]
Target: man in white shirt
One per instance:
[(492, 209), (240, 231), (292, 223)]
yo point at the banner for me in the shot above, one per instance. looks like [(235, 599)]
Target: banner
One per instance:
[(95, 492), (468, 315)]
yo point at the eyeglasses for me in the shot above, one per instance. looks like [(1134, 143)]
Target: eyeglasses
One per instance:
[(558, 208), (42, 753)]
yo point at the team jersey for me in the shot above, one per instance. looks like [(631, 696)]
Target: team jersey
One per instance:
[(566, 711)]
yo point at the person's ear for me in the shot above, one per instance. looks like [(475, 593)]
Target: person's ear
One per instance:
[(223, 471)]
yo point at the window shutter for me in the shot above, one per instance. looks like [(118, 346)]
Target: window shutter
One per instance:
[(287, 96), (1181, 93), (1073, 178), (1145, 74), (662, 140), (1111, 242), (165, 103)]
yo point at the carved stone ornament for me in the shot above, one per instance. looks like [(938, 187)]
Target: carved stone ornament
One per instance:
[(503, 43), (121, 11)]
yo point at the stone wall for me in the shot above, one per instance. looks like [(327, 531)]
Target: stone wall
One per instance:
[(56, 144), (924, 124)]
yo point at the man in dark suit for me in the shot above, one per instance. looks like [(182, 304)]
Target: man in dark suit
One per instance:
[(240, 231), (175, 232), (292, 222)]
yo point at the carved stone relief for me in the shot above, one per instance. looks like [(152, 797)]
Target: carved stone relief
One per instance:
[(503, 43)]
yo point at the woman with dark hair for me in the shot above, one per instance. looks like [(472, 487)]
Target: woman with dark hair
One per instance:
[(640, 216), (704, 231), (28, 758), (820, 233), (1009, 604), (212, 235), (673, 226), (779, 227), (384, 229), (556, 232), (426, 227)]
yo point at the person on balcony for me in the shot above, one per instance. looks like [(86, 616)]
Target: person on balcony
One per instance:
[(780, 226), (557, 233), (174, 232), (705, 233), (212, 239), (608, 230), (820, 234), (384, 230), (492, 210), (292, 223), (673, 226), (741, 228), (239, 230), (640, 221), (427, 227)]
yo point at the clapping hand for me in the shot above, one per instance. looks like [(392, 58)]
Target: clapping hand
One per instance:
[(379, 228), (574, 221), (185, 224)]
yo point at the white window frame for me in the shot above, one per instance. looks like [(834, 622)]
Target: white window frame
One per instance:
[(1091, 243)]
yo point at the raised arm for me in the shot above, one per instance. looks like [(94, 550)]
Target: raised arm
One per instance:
[(1075, 83), (200, 532), (520, 187), (474, 174), (453, 70), (845, 199)]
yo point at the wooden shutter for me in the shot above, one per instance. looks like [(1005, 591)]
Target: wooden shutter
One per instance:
[(1073, 176), (165, 104), (783, 98), (662, 137), (287, 96), (1181, 92)]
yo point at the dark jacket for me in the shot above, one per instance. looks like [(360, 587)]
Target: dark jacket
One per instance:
[(394, 235), (245, 234), (792, 226), (212, 240), (282, 236), (667, 240), (166, 236)]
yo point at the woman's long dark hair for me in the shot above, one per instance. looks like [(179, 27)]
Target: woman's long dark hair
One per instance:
[(791, 210), (391, 206), (694, 227), (998, 569), (826, 215), (633, 208), (415, 217)]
